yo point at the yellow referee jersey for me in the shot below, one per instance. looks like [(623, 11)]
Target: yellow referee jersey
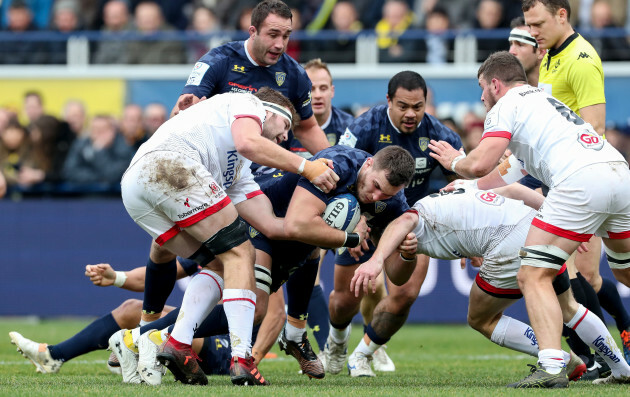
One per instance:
[(573, 74)]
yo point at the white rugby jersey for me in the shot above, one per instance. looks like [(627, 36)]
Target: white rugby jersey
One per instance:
[(550, 139), (203, 133), (466, 223)]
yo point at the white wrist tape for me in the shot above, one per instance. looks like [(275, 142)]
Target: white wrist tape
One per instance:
[(301, 167), (455, 160), (120, 279), (511, 170), (466, 184)]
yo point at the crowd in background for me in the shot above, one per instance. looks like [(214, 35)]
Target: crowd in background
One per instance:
[(151, 32), (76, 155), (73, 155)]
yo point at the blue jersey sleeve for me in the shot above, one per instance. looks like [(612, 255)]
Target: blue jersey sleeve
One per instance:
[(303, 107), (207, 74)]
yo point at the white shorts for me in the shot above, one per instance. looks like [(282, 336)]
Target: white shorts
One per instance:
[(497, 274), (164, 192), (594, 200)]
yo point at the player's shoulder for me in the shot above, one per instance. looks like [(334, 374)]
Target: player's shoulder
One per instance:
[(342, 116), (581, 54), (437, 129), (291, 67), (223, 53), (370, 119)]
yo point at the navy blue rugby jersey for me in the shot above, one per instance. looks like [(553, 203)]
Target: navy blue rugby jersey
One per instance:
[(334, 127), (229, 68), (373, 131)]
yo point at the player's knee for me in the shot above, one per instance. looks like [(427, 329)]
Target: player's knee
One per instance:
[(127, 315), (535, 257), (227, 238)]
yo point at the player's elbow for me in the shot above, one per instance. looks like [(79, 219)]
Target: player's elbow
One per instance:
[(245, 147), (294, 229)]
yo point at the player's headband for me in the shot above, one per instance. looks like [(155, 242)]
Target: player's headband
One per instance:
[(523, 36), (277, 109)]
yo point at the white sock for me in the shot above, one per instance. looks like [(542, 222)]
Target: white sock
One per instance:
[(515, 335), (365, 349), (144, 322), (551, 360), (294, 334), (164, 334), (239, 306), (339, 335), (135, 335), (201, 296), (593, 332)]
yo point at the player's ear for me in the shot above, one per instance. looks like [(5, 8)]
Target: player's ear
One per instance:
[(252, 31)]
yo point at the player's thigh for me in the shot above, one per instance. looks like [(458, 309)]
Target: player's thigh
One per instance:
[(483, 308)]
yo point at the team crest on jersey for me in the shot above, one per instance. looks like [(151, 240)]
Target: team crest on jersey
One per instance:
[(280, 77), (423, 143), (385, 138), (240, 69), (332, 139), (379, 206), (253, 232), (590, 140)]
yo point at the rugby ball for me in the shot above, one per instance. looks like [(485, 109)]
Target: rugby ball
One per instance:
[(342, 212)]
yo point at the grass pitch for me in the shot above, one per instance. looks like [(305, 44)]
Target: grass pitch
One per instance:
[(431, 360)]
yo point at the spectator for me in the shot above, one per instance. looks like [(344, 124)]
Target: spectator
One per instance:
[(439, 49), (14, 147), (154, 49), (33, 106), (112, 48), (40, 9), (131, 126), (66, 21), (154, 116), (489, 17), (74, 114), (608, 48), (460, 12), (6, 116), (397, 19), (203, 22), (21, 51), (244, 19), (344, 19), (44, 161), (99, 159)]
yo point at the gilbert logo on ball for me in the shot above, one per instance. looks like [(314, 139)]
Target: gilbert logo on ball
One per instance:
[(342, 212)]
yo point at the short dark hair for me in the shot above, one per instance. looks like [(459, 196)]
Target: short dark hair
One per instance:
[(270, 95), (407, 80), (552, 5), (398, 163), (503, 66), (266, 7), (518, 21)]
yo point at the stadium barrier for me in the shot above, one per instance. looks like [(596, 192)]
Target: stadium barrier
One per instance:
[(45, 245)]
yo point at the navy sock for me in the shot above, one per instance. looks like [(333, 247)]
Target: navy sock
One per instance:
[(161, 323), (93, 337), (611, 302), (158, 284), (374, 337), (318, 318), (575, 343), (591, 297), (299, 289)]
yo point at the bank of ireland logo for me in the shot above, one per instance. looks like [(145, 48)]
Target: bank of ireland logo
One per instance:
[(423, 143), (280, 77)]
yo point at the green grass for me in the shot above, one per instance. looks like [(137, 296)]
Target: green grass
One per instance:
[(431, 360)]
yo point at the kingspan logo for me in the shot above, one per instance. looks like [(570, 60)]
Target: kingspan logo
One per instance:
[(601, 344), (231, 172), (529, 334)]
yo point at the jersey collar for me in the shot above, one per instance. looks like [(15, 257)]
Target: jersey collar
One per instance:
[(555, 51), (249, 56), (327, 122), (392, 123)]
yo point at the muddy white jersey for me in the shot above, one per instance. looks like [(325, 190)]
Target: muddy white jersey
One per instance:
[(203, 133), (466, 222), (549, 139)]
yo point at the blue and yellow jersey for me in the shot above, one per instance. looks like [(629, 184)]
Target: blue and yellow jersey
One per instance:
[(373, 130), (573, 74), (334, 127), (229, 68)]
